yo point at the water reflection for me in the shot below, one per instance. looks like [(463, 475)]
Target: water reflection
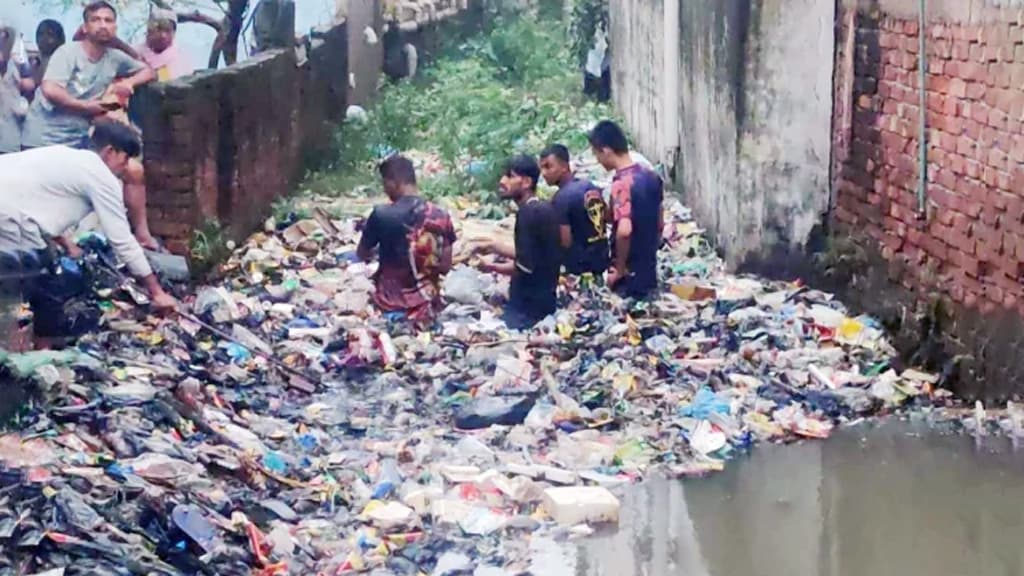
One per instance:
[(883, 500)]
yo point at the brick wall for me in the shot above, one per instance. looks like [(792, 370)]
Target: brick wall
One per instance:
[(222, 145), (967, 246)]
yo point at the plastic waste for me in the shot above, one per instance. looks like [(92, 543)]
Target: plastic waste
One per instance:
[(581, 504), (493, 410), (190, 520)]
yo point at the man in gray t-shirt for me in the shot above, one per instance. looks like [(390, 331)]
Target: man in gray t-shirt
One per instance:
[(76, 79)]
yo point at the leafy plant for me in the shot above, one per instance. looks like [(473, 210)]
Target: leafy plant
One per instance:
[(504, 92), (588, 16), (208, 246)]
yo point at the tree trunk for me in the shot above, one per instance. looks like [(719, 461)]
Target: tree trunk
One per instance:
[(233, 25)]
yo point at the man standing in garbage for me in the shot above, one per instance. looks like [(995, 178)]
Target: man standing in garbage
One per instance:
[(536, 258), (414, 240), (46, 191), (636, 214), (581, 214)]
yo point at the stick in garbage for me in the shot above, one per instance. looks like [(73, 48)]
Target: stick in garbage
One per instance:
[(306, 386), (306, 383)]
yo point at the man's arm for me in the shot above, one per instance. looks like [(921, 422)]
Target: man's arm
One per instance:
[(623, 239), (58, 96), (108, 202), (566, 235), (144, 76), (367, 249), (503, 268)]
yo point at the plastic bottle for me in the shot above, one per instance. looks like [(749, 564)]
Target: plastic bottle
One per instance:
[(389, 479)]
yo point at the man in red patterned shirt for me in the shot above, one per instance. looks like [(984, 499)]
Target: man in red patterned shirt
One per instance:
[(414, 239), (636, 214)]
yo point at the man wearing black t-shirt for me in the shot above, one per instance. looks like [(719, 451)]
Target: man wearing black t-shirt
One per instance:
[(537, 255), (409, 276), (581, 214)]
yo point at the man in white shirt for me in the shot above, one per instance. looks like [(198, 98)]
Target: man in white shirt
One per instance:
[(46, 191)]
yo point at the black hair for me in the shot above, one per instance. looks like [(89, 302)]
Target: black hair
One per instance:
[(118, 136), (398, 168), (524, 165), (558, 151), (607, 134), (96, 6), (54, 27)]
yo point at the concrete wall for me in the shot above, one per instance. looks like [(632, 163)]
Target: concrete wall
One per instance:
[(366, 59), (637, 60), (752, 118), (965, 249)]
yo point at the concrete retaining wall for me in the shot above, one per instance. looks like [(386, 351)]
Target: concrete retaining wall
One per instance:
[(745, 96)]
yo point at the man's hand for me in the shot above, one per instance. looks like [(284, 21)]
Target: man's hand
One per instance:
[(483, 247), (94, 108), (149, 243), (164, 303), (614, 276), (122, 89), (73, 250)]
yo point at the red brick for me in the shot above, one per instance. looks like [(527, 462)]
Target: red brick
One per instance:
[(990, 54), (965, 146), (947, 142), (966, 33), (908, 61), (979, 112), (973, 71), (956, 164), (972, 128), (937, 67), (910, 27), (1018, 54), (977, 53), (961, 50), (996, 158), (976, 91)]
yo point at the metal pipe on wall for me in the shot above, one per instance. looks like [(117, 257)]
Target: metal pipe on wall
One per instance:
[(668, 140), (922, 64)]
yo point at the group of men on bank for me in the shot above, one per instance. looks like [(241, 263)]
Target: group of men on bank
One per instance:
[(577, 231), (67, 147)]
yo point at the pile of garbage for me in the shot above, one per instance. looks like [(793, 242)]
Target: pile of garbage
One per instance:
[(285, 426)]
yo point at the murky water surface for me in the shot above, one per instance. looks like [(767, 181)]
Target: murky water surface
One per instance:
[(892, 499)]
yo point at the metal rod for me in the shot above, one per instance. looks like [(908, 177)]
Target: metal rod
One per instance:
[(922, 183)]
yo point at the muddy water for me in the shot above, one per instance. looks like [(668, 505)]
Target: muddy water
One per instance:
[(895, 499)]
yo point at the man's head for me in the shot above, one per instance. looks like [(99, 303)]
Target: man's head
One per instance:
[(116, 143), (49, 37), (520, 178), (163, 24), (100, 22), (609, 144), (398, 175), (554, 164)]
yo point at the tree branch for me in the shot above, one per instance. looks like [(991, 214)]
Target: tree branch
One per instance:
[(200, 18)]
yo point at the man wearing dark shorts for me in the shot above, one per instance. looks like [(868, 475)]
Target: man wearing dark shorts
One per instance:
[(389, 231), (581, 215), (536, 258), (636, 214)]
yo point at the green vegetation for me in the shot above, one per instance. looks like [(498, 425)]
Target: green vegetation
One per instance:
[(208, 247), (513, 89)]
